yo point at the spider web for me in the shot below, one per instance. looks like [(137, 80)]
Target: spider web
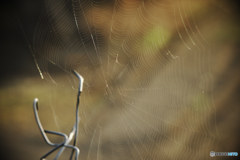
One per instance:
[(147, 90)]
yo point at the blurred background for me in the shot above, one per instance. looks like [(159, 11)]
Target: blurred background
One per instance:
[(161, 77)]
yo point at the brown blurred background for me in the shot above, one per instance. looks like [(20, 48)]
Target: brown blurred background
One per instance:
[(20, 83)]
